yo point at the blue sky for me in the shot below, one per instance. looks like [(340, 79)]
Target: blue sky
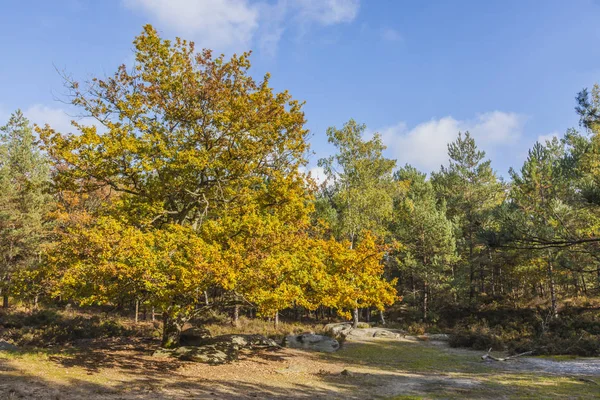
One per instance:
[(415, 71)]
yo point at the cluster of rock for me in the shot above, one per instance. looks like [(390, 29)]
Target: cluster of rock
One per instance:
[(346, 331), (197, 345), (310, 341)]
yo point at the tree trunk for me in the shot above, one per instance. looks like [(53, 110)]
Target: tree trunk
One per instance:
[(5, 300), (368, 314), (137, 310), (276, 319), (35, 301), (171, 331), (471, 267), (236, 316), (382, 317), (425, 299), (355, 318), (153, 314), (554, 305), (481, 278)]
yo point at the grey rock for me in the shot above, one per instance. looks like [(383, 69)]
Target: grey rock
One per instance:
[(339, 330), (7, 346), (384, 333), (194, 337), (440, 337), (310, 341), (217, 350), (208, 354), (163, 353), (372, 333), (360, 333)]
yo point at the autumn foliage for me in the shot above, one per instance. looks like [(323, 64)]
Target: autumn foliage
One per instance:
[(194, 166)]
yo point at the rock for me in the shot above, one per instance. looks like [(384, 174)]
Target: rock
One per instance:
[(162, 353), (217, 350), (194, 337), (440, 337), (384, 333), (243, 341), (346, 373), (7, 346), (360, 333), (208, 354), (312, 342), (372, 333), (340, 329)]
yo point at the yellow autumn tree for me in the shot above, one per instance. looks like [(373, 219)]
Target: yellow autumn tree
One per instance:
[(205, 163), (354, 276)]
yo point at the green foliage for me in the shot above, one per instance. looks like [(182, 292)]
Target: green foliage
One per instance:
[(428, 245), (24, 201), (471, 191), (359, 194)]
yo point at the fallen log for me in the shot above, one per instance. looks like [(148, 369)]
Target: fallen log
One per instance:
[(488, 356)]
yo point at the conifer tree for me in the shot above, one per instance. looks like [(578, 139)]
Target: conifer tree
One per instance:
[(471, 190), (24, 202)]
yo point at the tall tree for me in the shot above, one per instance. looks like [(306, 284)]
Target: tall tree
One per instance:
[(360, 185), (471, 190), (191, 143), (24, 202), (359, 190), (537, 193), (427, 253)]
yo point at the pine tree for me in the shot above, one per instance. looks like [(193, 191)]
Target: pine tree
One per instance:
[(471, 190), (24, 202), (428, 245)]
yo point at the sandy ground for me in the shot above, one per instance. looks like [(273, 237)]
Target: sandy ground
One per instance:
[(361, 370)]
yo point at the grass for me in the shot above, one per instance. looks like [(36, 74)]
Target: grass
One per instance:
[(392, 369), (426, 363)]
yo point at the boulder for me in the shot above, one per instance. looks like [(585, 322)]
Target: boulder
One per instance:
[(209, 354), (7, 346), (194, 337), (163, 353), (309, 341), (340, 329), (242, 341), (217, 350), (439, 337), (384, 333), (372, 333)]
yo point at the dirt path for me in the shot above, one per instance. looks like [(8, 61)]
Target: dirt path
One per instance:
[(376, 368)]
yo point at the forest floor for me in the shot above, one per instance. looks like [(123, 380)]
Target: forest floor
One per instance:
[(377, 368)]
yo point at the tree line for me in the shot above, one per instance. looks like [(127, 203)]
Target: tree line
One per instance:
[(186, 194)]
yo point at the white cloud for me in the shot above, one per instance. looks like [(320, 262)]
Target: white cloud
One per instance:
[(316, 173), (57, 118), (543, 138), (237, 24), (212, 23), (391, 35), (426, 145), (328, 12)]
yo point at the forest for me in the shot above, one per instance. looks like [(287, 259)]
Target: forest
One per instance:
[(180, 196)]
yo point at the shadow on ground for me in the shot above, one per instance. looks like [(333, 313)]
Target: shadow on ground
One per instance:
[(386, 369)]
